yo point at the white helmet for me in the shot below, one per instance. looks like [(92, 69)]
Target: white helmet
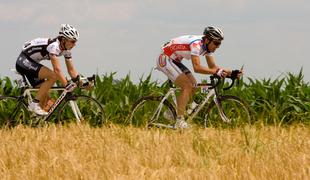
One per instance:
[(213, 33), (69, 32)]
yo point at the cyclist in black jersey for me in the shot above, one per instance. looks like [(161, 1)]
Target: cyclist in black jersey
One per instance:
[(36, 50)]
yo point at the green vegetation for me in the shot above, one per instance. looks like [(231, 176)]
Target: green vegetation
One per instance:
[(284, 100)]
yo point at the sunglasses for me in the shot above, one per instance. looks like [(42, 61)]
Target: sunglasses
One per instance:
[(217, 43)]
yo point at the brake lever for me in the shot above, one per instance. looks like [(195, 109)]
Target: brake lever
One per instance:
[(238, 80)]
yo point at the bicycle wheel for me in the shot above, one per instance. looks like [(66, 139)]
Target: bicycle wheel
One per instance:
[(13, 111), (81, 108), (229, 111), (149, 111)]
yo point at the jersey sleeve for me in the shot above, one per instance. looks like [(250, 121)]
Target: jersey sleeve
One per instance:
[(53, 48), (196, 48)]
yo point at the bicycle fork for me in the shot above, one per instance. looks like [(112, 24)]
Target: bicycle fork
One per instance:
[(76, 111), (220, 109)]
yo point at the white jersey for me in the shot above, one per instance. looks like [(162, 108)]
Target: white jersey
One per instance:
[(39, 49), (184, 46)]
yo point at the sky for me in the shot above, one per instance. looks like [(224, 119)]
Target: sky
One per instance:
[(269, 37)]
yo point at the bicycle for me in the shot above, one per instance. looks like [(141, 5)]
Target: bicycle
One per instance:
[(69, 105), (160, 111)]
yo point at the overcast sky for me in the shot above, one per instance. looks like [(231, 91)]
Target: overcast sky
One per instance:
[(268, 37)]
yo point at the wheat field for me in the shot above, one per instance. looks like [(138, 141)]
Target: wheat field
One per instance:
[(116, 152)]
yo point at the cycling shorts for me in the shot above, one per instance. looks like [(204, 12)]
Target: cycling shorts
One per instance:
[(170, 67), (26, 66)]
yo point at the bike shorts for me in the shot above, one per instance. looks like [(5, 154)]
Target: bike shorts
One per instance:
[(170, 67), (29, 68)]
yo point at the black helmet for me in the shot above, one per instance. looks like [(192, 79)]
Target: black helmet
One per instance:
[(213, 33)]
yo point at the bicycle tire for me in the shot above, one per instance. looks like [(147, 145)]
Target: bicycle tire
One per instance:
[(143, 113), (91, 110), (233, 108), (13, 111)]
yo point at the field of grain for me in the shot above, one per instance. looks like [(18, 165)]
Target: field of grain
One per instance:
[(114, 152)]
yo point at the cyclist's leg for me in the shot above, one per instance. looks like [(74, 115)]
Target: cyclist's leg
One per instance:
[(193, 81), (185, 84), (178, 74), (50, 78), (37, 74)]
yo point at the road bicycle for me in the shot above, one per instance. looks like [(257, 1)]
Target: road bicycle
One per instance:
[(69, 106), (222, 110)]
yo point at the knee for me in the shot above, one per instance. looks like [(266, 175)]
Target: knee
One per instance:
[(52, 76), (188, 87)]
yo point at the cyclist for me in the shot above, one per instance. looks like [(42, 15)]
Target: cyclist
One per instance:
[(190, 47), (36, 50)]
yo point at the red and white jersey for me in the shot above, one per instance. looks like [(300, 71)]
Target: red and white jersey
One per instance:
[(184, 46), (39, 49)]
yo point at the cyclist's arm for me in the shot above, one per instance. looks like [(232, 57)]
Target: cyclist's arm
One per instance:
[(57, 69), (198, 68), (70, 68), (213, 66)]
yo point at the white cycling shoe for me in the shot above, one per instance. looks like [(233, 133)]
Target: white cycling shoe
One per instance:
[(181, 123), (35, 107)]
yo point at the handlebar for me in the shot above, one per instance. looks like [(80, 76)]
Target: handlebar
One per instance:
[(216, 80), (231, 84), (87, 79)]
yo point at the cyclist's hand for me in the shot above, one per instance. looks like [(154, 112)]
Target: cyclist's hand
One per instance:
[(77, 80), (222, 72)]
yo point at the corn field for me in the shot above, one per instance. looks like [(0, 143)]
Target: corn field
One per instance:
[(284, 100)]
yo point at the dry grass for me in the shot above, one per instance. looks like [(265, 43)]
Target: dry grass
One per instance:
[(81, 152)]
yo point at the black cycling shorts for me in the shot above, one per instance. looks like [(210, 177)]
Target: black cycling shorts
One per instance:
[(183, 68), (26, 66)]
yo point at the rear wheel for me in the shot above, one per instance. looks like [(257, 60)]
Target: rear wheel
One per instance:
[(229, 111), (13, 111), (149, 111), (81, 108)]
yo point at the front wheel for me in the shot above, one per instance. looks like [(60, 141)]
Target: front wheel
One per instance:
[(227, 111), (153, 111), (82, 108), (13, 111)]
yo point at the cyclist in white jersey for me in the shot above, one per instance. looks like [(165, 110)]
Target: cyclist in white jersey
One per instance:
[(36, 50), (190, 47)]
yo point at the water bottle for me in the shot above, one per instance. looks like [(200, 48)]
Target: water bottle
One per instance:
[(192, 106)]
